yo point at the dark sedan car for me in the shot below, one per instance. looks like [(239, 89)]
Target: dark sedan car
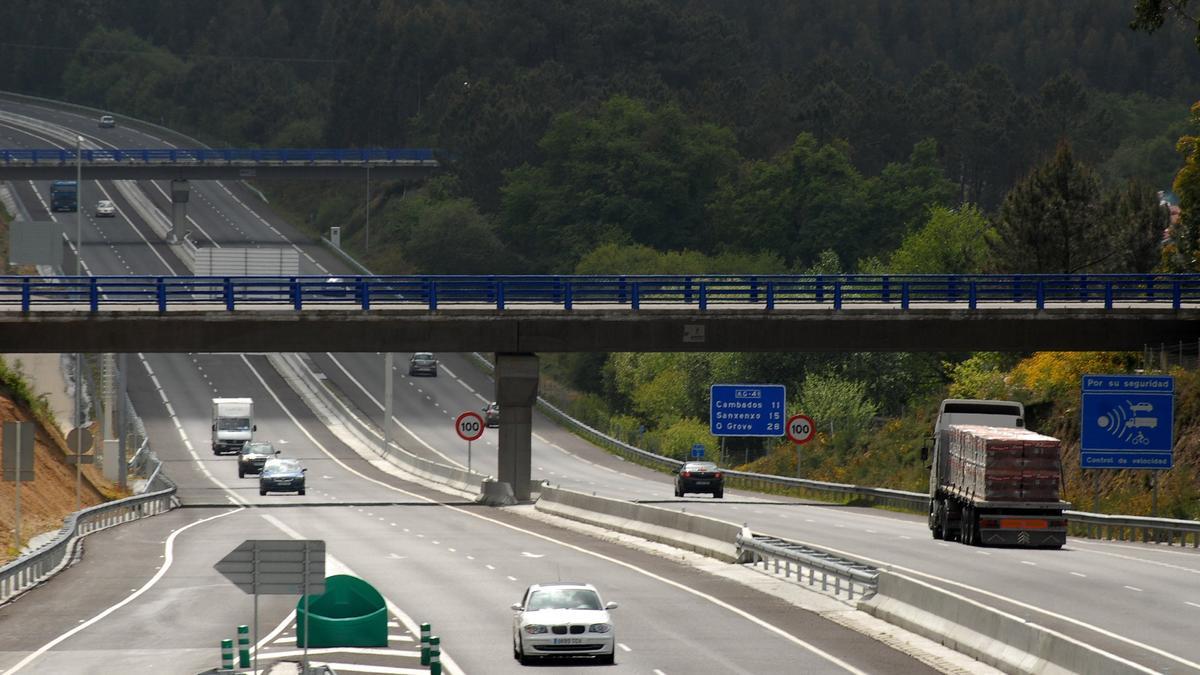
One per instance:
[(491, 414), (281, 475), (700, 477), (253, 456), (422, 363)]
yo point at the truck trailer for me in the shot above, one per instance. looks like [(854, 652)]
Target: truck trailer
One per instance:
[(992, 481), (232, 424)]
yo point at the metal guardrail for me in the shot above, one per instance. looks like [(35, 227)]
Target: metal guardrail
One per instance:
[(28, 571), (272, 156), (769, 292), (830, 573), (1083, 524), (1133, 528)]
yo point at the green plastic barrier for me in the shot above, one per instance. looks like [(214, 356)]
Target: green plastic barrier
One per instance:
[(351, 613)]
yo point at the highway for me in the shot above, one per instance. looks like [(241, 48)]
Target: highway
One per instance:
[(1090, 590), (145, 595)]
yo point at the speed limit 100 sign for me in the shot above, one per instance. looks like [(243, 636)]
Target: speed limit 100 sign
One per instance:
[(800, 429), (469, 426)]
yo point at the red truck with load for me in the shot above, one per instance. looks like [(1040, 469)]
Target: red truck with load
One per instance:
[(992, 481)]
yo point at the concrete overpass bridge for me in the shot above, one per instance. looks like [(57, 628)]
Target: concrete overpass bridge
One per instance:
[(410, 164), (517, 317)]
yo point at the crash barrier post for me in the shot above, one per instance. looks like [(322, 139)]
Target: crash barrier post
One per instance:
[(226, 654), (435, 655), (243, 646), (425, 632)]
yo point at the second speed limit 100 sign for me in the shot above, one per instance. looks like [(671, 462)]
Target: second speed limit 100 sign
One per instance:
[(469, 426), (800, 429)]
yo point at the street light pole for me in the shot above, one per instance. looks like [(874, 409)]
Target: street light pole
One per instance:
[(78, 205), (78, 355)]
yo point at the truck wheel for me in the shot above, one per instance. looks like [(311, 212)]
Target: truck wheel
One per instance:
[(937, 519), (970, 527)]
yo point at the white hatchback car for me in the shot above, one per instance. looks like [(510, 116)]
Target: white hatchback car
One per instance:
[(563, 619), (105, 209)]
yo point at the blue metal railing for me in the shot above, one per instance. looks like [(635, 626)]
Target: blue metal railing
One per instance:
[(55, 156), (705, 293)]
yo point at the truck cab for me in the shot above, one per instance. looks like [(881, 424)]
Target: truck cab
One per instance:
[(232, 424), (1010, 414)]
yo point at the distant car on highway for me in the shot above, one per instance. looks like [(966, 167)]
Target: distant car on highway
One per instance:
[(423, 363), (253, 456), (491, 414), (105, 209), (563, 619), (700, 477), (107, 122), (281, 475)]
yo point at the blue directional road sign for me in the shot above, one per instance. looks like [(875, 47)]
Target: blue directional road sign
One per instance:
[(1127, 422), (698, 451), (747, 409)]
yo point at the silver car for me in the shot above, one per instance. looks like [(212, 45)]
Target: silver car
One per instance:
[(563, 619), (107, 122), (105, 209)]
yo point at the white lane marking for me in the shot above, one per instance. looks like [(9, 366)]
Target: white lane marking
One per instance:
[(1079, 574), (1023, 605), (658, 672), (624, 647), (1171, 566), (136, 231), (511, 578), (374, 400), (1134, 588), (467, 386), (334, 566), (170, 558), (1187, 602), (448, 371), (187, 443), (490, 567), (684, 588), (1029, 562)]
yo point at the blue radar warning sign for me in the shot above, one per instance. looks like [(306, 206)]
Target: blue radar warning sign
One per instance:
[(1127, 422)]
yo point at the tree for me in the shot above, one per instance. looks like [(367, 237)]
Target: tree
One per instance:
[(952, 241), (838, 406), (1150, 15), (1187, 187), (1053, 221), (804, 200), (902, 194), (626, 173), (1138, 223)]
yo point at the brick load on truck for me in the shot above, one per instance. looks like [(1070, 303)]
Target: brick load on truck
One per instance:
[(1003, 464)]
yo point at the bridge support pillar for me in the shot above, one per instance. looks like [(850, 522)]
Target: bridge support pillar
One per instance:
[(516, 392), (180, 191)]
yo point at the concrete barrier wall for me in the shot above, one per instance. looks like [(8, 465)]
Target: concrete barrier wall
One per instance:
[(999, 639), (704, 535), (322, 403)]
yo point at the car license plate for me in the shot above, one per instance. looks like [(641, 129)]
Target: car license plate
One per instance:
[(701, 482), (568, 641)]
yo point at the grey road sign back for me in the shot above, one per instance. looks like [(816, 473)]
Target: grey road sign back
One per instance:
[(276, 566), (22, 450), (35, 243)]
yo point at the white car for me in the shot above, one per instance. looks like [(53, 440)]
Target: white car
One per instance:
[(105, 209), (563, 619), (107, 122)]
